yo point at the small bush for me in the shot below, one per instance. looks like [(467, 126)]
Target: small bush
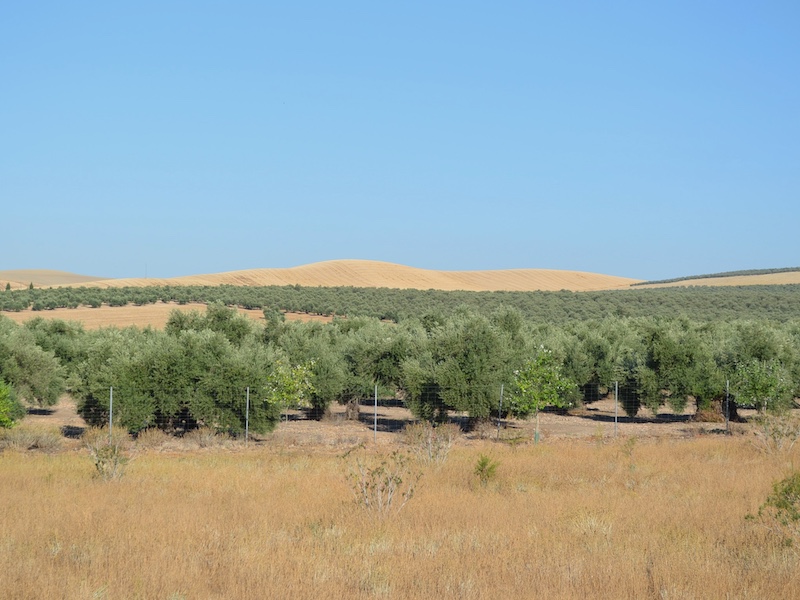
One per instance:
[(485, 469), (483, 429), (152, 438), (30, 438), (205, 437), (431, 444), (108, 452), (780, 513), (10, 408), (386, 487), (774, 433)]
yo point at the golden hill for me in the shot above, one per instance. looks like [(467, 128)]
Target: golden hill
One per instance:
[(22, 278), (366, 273)]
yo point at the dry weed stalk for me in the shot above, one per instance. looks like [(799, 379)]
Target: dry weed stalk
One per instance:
[(776, 433), (386, 487), (108, 452), (431, 444)]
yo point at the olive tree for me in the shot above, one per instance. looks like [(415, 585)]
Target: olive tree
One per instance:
[(539, 384)]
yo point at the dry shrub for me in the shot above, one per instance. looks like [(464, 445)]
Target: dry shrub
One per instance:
[(484, 429), (153, 439), (776, 433), (431, 444), (206, 437), (383, 488), (110, 451), (44, 439)]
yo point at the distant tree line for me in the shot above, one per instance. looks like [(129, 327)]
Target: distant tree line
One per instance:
[(776, 302), (195, 372), (724, 274)]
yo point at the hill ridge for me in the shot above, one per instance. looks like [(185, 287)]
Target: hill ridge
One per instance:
[(381, 274)]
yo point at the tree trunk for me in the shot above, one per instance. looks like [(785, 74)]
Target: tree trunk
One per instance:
[(716, 412), (351, 409)]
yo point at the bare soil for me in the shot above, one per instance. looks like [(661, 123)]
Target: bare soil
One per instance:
[(595, 422)]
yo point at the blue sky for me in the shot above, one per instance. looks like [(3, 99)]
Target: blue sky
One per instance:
[(638, 139)]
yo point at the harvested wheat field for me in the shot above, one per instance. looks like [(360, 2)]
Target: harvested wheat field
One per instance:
[(148, 315), (22, 278), (355, 273), (787, 278), (587, 517), (367, 273)]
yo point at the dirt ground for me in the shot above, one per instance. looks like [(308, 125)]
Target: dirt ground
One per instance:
[(595, 422)]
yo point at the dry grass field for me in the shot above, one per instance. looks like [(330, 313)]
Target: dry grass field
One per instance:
[(148, 315), (639, 516), (22, 278), (792, 277)]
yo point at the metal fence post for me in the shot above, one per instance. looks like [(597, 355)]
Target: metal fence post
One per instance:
[(500, 411), (110, 413)]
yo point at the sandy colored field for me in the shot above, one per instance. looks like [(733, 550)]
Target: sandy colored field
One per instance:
[(365, 273), (356, 273), (22, 278), (152, 315)]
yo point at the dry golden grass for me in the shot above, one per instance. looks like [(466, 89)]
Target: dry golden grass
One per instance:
[(649, 519)]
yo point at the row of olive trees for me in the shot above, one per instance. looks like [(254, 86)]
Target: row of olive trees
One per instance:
[(460, 361), (196, 371), (778, 302)]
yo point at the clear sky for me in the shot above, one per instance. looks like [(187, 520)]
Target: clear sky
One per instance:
[(640, 139)]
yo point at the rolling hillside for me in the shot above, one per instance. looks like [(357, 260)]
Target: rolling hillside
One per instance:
[(375, 274), (355, 273), (22, 278)]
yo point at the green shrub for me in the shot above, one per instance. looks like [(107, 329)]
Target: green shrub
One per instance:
[(781, 511), (485, 469), (10, 409)]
